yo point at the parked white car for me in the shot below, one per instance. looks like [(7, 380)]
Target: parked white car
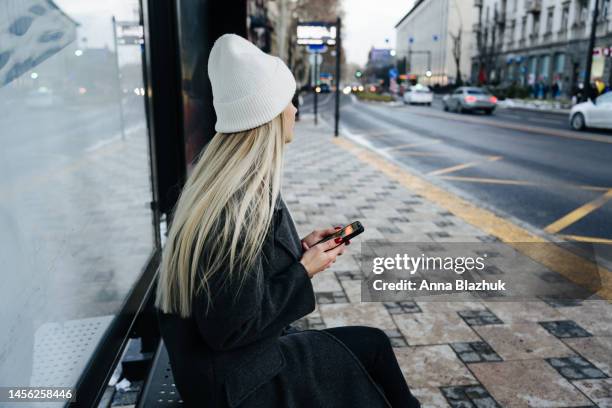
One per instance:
[(418, 94), (597, 113)]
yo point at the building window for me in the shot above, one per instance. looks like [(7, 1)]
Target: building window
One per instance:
[(523, 27), (559, 63), (564, 17), (532, 65), (581, 12), (535, 28), (544, 67), (549, 19), (604, 9)]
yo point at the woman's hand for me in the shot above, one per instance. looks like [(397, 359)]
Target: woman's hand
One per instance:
[(317, 235), (321, 256)]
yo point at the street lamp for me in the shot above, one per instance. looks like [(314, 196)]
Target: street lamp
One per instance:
[(428, 74)]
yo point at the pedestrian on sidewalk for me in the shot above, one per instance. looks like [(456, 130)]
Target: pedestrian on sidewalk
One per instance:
[(235, 274)]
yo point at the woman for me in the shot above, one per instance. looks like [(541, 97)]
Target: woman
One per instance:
[(235, 274)]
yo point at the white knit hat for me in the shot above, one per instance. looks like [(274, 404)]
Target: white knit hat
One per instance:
[(249, 87)]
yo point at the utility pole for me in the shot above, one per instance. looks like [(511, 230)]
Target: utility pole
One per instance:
[(479, 45), (589, 60), (316, 84), (338, 45), (119, 87)]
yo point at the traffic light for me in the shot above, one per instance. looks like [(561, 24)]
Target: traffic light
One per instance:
[(358, 74)]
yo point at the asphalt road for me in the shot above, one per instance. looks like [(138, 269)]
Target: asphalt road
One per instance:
[(42, 141), (526, 166)]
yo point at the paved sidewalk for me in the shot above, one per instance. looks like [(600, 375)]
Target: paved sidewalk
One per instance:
[(457, 354)]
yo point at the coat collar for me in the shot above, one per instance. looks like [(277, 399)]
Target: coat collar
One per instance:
[(286, 233), (279, 204)]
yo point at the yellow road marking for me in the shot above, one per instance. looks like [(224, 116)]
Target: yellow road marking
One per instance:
[(592, 240), (578, 213), (572, 266), (416, 144), (591, 137), (462, 166), (485, 180)]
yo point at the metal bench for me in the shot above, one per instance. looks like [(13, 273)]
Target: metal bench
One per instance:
[(159, 389)]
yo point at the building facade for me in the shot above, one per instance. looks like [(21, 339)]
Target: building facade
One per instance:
[(433, 36), (540, 43)]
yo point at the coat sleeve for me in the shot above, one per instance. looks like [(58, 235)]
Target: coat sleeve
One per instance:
[(262, 308)]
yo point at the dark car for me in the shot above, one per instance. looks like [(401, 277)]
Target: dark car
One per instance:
[(323, 88)]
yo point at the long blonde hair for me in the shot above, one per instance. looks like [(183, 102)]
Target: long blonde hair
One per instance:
[(225, 210)]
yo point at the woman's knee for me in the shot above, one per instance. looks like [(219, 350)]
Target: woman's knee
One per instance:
[(374, 336)]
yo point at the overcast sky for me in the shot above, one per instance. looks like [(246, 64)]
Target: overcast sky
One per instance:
[(368, 23)]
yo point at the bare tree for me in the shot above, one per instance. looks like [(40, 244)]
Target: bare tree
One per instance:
[(457, 54)]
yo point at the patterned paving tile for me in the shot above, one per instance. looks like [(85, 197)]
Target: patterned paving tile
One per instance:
[(600, 391), (565, 329), (475, 352), (523, 312), (432, 366), (562, 302), (310, 322), (349, 275), (396, 338), (434, 328), (324, 298), (352, 288), (487, 238), (519, 341), (438, 234), (469, 396), (479, 317), (361, 314), (402, 307), (326, 282), (450, 306), (430, 397), (527, 383), (593, 316), (598, 350), (576, 368)]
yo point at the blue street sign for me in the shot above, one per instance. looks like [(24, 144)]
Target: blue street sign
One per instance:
[(317, 48), (435, 37), (392, 73)]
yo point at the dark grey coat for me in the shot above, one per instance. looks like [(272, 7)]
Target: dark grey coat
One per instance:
[(244, 354)]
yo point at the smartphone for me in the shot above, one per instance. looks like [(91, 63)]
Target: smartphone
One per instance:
[(348, 232)]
